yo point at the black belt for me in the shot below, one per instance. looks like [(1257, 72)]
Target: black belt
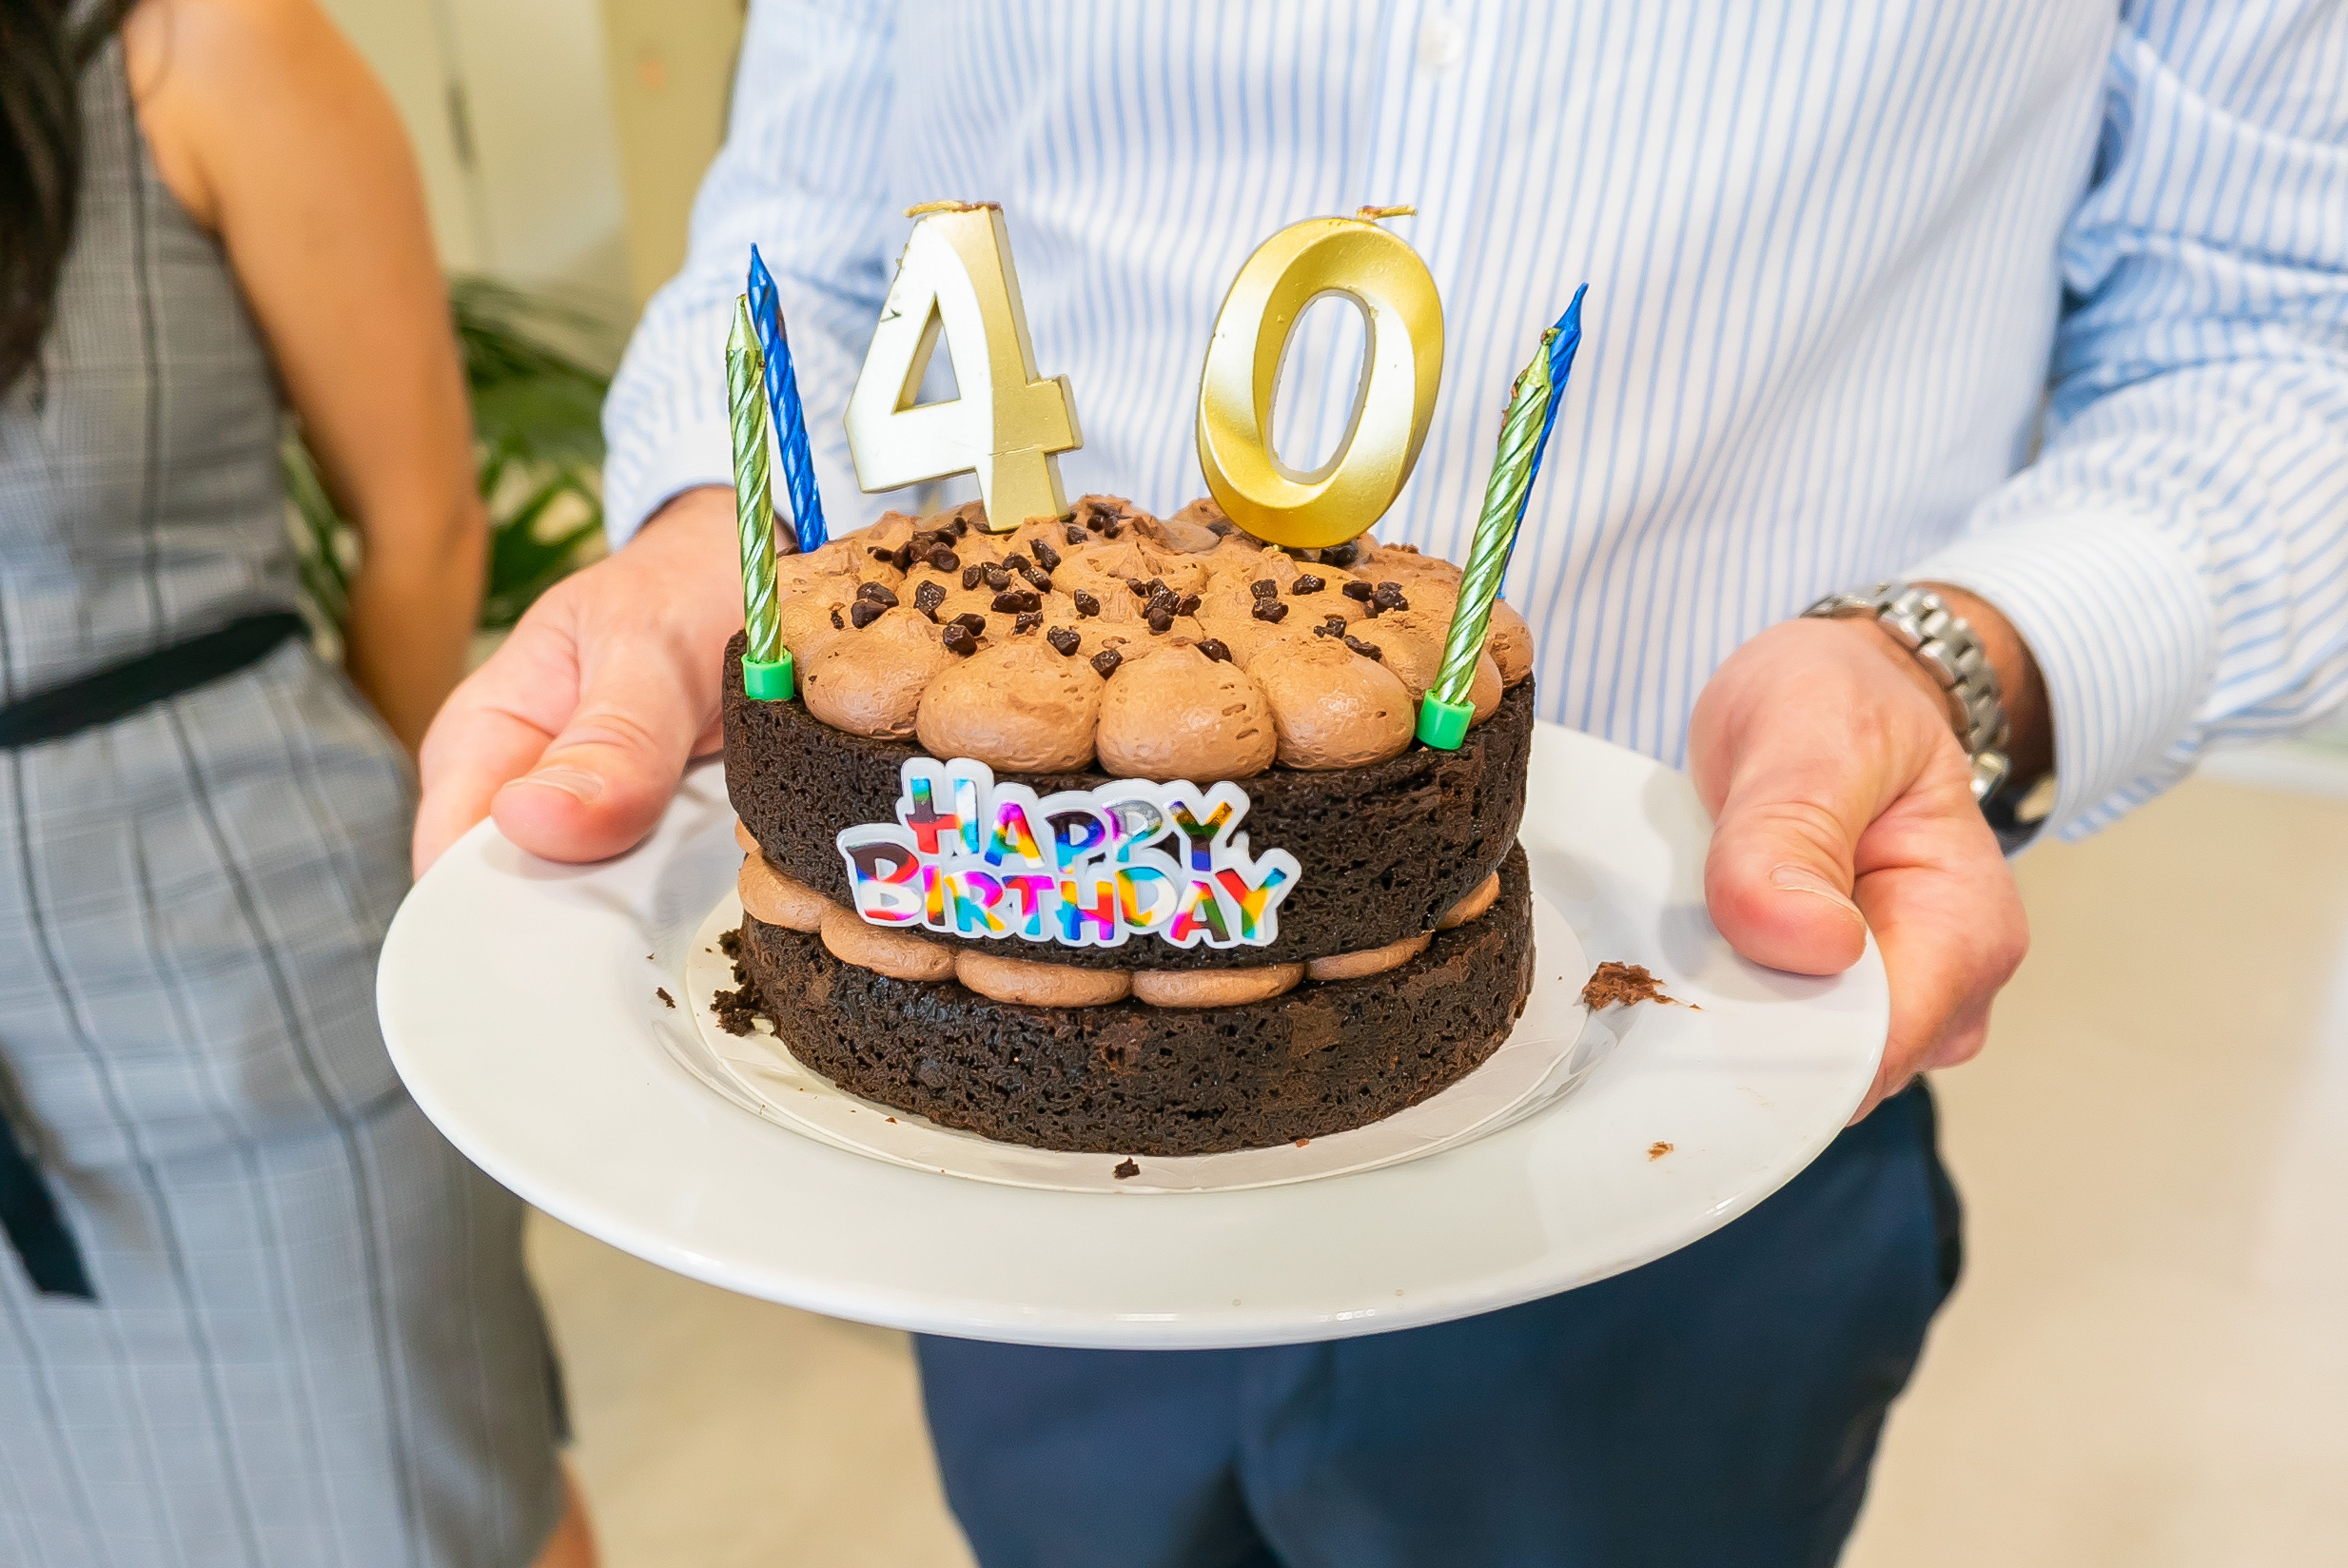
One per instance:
[(28, 1210), (120, 690)]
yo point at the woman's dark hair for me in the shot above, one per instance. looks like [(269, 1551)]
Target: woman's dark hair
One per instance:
[(44, 46)]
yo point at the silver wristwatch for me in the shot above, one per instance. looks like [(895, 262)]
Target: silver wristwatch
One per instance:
[(1945, 645)]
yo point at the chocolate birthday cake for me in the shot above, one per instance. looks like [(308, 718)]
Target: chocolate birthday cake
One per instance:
[(1111, 832)]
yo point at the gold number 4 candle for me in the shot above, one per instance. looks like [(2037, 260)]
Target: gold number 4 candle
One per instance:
[(1007, 423)]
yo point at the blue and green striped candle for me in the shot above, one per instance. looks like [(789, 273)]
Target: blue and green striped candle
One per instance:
[(783, 401), (1445, 712)]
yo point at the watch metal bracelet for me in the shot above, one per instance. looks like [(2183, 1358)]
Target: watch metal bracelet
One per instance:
[(1940, 640)]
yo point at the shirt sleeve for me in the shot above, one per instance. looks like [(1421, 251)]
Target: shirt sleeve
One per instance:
[(800, 176), (2177, 556)]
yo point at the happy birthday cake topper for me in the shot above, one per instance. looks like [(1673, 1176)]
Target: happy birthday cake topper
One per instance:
[(1084, 868)]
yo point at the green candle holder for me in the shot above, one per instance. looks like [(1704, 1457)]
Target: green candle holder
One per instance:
[(1444, 725), (769, 682)]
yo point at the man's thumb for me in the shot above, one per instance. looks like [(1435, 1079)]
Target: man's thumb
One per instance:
[(1778, 881), (603, 782)]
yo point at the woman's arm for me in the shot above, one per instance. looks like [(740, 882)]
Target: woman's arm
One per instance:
[(270, 129)]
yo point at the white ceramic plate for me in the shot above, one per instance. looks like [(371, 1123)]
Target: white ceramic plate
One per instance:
[(1546, 1057), (518, 999)]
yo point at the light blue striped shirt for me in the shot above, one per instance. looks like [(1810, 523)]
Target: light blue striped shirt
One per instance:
[(1839, 256)]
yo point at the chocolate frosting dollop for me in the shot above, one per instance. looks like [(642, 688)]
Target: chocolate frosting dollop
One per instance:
[(848, 937), (1369, 961), (1331, 708), (1214, 987), (1018, 707), (1177, 714), (1472, 907), (777, 899), (1026, 983), (870, 681)]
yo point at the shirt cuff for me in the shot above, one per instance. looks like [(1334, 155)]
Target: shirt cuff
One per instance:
[(2124, 633), (697, 452)]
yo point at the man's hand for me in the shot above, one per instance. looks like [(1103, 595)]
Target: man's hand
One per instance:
[(1825, 754), (576, 731)]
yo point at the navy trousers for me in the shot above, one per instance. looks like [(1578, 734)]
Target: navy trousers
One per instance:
[(1718, 1406)]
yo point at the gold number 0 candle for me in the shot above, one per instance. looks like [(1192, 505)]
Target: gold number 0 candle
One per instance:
[(1007, 422), (1402, 365)]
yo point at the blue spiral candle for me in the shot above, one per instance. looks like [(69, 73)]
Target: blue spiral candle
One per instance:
[(783, 399), (1445, 712)]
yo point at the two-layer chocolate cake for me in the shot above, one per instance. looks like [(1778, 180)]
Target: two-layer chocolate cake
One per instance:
[(1111, 833)]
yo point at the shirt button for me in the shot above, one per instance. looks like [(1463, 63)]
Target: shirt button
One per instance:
[(1442, 43)]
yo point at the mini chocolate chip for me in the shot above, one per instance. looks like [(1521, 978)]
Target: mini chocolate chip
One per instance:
[(838, 625), (1343, 554), (1215, 649), (902, 558), (1269, 610), (1047, 557), (1356, 588), (945, 560), (959, 639), (1188, 605), (879, 593), (1085, 604), (1389, 587), (878, 553), (1335, 626), (1222, 526), (994, 577), (1015, 562), (928, 597), (1161, 621), (1026, 621), (1011, 601), (969, 621), (1037, 578), (1307, 583), (1107, 659), (1064, 640), (1263, 588), (1322, 631), (1109, 530), (1140, 589), (1384, 599), (960, 525), (1075, 535), (1162, 600), (863, 613), (1367, 650)]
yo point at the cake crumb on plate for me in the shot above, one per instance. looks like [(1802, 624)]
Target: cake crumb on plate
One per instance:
[(1613, 984), (1124, 1169)]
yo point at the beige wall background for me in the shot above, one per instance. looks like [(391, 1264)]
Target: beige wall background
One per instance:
[(560, 140)]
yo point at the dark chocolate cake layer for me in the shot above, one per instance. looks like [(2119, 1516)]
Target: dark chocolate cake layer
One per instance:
[(1383, 849), (1134, 1080)]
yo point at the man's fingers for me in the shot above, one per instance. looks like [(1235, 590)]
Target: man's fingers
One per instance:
[(1952, 929), (603, 782)]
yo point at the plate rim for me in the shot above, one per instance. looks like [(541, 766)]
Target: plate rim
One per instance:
[(936, 1306)]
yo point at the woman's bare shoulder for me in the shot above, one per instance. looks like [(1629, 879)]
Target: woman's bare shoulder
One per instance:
[(219, 83)]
